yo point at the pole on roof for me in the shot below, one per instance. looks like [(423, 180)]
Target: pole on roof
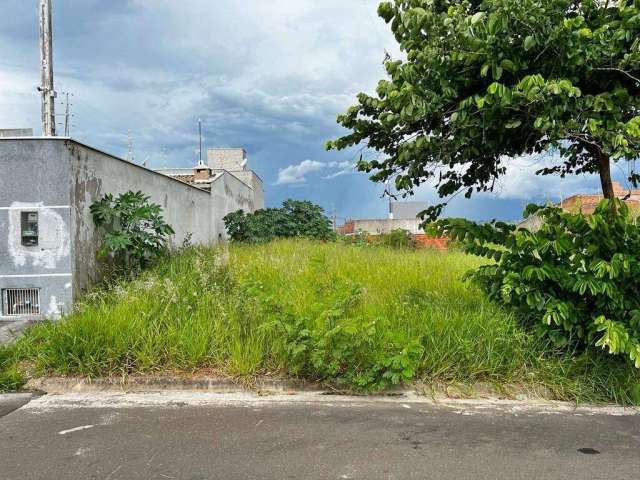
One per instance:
[(46, 60), (200, 138)]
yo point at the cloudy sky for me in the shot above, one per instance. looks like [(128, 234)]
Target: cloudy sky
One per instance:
[(269, 76)]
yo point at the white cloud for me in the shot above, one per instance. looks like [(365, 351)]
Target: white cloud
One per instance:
[(521, 182), (297, 174), (344, 168)]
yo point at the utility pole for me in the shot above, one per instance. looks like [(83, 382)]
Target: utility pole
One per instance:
[(46, 60), (335, 220), (388, 191)]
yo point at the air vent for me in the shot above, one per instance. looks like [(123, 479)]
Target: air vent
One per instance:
[(17, 302)]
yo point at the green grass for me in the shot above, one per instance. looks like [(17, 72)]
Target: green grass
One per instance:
[(330, 312)]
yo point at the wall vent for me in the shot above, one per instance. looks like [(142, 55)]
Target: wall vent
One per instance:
[(17, 302)]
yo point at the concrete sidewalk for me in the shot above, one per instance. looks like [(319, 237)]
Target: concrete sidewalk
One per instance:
[(10, 330), (219, 436)]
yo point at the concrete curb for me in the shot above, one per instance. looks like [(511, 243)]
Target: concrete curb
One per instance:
[(408, 400), (61, 385), (151, 390)]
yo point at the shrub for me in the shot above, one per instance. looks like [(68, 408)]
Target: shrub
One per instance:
[(398, 239), (337, 348), (358, 239), (135, 232), (295, 219), (576, 278)]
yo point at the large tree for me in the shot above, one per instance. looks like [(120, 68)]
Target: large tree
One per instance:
[(484, 81)]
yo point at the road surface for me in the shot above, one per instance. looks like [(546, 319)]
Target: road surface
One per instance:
[(191, 437)]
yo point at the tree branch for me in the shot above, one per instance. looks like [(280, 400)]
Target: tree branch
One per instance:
[(619, 70)]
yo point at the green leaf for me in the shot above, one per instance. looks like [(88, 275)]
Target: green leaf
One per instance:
[(529, 42), (477, 17), (508, 65)]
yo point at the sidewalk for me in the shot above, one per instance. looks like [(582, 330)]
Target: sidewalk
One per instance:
[(9, 330)]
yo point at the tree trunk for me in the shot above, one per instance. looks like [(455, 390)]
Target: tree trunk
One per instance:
[(604, 165)]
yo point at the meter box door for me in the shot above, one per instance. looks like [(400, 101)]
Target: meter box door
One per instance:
[(29, 221)]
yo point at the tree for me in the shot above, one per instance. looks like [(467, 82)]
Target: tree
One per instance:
[(487, 80), (295, 219)]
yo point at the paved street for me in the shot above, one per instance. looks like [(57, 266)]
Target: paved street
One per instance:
[(184, 436)]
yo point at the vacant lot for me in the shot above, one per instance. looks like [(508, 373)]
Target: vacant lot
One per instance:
[(354, 317)]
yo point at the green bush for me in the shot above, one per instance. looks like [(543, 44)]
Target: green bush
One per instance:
[(398, 239), (134, 231), (576, 279), (295, 219), (338, 348)]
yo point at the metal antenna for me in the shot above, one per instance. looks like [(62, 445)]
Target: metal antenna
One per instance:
[(46, 60), (67, 115), (130, 153), (200, 137)]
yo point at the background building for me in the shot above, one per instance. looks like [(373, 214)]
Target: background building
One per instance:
[(402, 216), (587, 203), (221, 160)]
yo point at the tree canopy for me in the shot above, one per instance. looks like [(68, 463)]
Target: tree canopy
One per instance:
[(296, 218), (485, 81)]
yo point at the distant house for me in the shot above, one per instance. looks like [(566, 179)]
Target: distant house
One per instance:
[(587, 203), (220, 161), (402, 216)]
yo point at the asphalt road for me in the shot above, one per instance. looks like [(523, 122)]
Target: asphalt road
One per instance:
[(264, 439)]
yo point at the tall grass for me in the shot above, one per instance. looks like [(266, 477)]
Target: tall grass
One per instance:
[(218, 309)]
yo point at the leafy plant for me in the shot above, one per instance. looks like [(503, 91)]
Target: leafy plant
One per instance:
[(134, 230), (398, 239), (347, 351), (482, 81), (295, 219), (576, 279)]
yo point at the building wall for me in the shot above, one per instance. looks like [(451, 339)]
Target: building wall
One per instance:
[(187, 209), (35, 177), (230, 159), (251, 179), (16, 132), (378, 226), (406, 210), (228, 194), (60, 179)]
